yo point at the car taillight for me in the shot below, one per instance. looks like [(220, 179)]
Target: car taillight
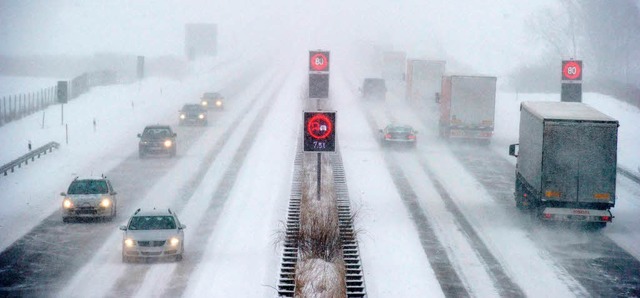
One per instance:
[(387, 136), (548, 215), (605, 218), (411, 137)]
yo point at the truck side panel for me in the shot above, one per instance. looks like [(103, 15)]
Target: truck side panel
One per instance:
[(530, 155), (445, 106)]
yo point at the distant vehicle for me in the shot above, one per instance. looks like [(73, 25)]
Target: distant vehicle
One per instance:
[(157, 139), (153, 234), (193, 114), (467, 107), (89, 197), (566, 169), (212, 100), (424, 79), (398, 134), (374, 88)]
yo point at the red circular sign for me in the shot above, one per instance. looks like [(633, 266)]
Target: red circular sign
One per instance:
[(319, 62), (572, 70), (319, 126)]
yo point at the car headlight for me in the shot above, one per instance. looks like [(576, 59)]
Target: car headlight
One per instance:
[(218, 102), (168, 143), (201, 116), (182, 116), (129, 242), (67, 204), (174, 241), (105, 203), (204, 103)]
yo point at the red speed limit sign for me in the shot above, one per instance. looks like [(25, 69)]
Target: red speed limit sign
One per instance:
[(318, 61), (572, 70)]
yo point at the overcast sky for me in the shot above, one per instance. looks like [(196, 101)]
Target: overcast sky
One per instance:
[(477, 31)]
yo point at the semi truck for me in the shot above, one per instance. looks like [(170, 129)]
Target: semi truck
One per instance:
[(424, 79), (467, 107), (566, 162)]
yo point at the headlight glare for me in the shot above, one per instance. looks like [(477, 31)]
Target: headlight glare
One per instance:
[(168, 143), (129, 242), (218, 103), (67, 204), (174, 241), (182, 116), (105, 203), (204, 103), (201, 116)]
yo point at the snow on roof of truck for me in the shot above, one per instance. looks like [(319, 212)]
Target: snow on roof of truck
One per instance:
[(553, 110)]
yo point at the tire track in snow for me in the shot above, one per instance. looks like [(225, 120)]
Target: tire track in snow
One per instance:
[(450, 282), (181, 275), (595, 261), (131, 282)]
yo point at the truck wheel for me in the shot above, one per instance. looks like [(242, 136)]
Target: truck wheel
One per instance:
[(141, 154), (518, 195)]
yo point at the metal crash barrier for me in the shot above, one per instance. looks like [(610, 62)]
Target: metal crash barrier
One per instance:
[(10, 167)]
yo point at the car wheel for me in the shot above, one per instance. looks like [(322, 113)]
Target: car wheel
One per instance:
[(66, 219), (179, 258), (141, 154), (125, 259)]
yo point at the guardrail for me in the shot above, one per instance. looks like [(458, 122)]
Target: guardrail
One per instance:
[(629, 174), (29, 156)]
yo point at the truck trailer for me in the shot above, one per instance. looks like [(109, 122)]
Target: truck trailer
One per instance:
[(467, 107), (424, 79), (566, 168)]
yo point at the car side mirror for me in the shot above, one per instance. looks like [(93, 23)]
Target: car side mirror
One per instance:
[(514, 149), (124, 228), (139, 135), (175, 134), (182, 227), (437, 97), (64, 194)]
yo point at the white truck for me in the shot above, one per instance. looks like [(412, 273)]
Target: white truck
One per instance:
[(424, 79), (566, 169), (467, 107)]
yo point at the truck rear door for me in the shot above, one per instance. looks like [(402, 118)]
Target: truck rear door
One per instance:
[(579, 162)]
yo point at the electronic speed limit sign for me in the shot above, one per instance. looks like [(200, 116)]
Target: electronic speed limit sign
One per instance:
[(572, 70), (318, 61)]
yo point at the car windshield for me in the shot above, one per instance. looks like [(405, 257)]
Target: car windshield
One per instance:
[(405, 129), (88, 187), (154, 133), (192, 108), (155, 222), (213, 95)]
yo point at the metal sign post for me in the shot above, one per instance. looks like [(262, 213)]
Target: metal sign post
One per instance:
[(319, 136)]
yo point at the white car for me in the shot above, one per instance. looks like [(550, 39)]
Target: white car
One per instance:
[(153, 234), (89, 197)]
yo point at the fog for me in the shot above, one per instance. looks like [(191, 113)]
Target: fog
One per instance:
[(488, 36)]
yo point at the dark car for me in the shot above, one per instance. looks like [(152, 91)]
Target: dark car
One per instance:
[(153, 234), (89, 197), (398, 134), (374, 88), (157, 139), (212, 100), (193, 114)]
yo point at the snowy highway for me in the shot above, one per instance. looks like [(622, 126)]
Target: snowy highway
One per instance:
[(437, 220)]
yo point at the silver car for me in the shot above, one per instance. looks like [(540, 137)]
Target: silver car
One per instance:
[(89, 197), (153, 234)]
